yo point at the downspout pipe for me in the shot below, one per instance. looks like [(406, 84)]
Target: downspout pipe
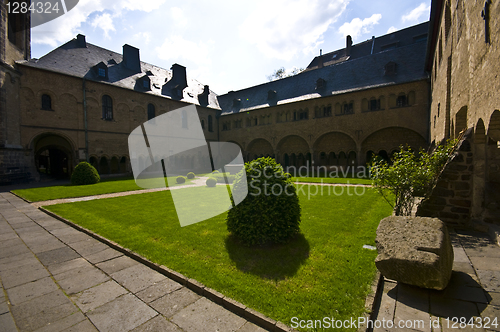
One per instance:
[(84, 90)]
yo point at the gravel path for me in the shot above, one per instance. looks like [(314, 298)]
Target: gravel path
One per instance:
[(198, 182)]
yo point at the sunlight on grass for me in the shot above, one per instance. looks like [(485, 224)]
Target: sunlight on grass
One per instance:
[(107, 186), (324, 272)]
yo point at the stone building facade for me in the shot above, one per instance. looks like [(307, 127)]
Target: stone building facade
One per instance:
[(462, 59), (80, 102), (369, 98), (14, 45)]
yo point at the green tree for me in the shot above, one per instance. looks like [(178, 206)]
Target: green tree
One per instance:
[(282, 73), (410, 175)]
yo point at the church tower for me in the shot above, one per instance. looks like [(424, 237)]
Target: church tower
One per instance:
[(15, 45)]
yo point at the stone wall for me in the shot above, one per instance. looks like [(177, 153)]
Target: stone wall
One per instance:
[(451, 198)]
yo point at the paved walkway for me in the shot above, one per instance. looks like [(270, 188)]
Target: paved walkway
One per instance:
[(473, 292), (55, 278)]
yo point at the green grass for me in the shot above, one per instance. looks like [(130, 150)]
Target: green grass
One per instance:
[(332, 180), (107, 186), (324, 272)]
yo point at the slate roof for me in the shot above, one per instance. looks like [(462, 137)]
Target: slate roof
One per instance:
[(74, 60), (362, 70)]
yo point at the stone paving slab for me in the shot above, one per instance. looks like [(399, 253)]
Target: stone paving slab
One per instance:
[(99, 295), (204, 315), (137, 277), (122, 314), (56, 278), (117, 264)]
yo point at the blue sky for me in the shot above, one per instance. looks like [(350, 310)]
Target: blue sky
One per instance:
[(229, 45)]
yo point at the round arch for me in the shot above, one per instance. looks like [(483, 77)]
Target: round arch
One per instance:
[(333, 142), (494, 126), (292, 145), (390, 139), (53, 154), (260, 146)]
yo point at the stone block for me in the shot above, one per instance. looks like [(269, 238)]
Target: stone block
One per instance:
[(415, 250)]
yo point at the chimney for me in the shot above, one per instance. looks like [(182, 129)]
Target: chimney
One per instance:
[(320, 59), (348, 46), (131, 58), (179, 78), (80, 41)]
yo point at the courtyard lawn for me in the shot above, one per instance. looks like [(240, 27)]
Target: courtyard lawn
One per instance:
[(324, 272), (106, 186)]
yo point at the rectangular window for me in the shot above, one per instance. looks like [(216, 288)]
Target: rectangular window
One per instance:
[(102, 72)]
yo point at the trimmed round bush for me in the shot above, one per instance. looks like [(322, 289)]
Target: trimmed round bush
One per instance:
[(211, 182), (270, 213), (84, 173), (180, 179), (190, 175)]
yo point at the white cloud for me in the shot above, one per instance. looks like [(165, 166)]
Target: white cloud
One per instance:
[(67, 26), (391, 29), (177, 48), (144, 37), (280, 28), (178, 16), (105, 22), (357, 26), (145, 6), (416, 13)]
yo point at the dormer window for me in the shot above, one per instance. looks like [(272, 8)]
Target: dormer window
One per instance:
[(101, 69), (320, 84), (390, 68), (144, 83), (271, 94)]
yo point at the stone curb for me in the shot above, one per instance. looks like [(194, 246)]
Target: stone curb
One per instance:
[(24, 199), (234, 306), (372, 301)]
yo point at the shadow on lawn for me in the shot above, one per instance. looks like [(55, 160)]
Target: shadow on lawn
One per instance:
[(274, 262)]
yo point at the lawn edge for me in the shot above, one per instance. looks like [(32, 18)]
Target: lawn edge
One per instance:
[(21, 197), (372, 302), (234, 306)]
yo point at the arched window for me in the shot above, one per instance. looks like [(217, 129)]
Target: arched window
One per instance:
[(46, 102), (202, 124), (107, 108), (210, 124), (151, 111)]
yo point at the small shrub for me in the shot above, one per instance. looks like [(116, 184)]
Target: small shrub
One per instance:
[(410, 175), (84, 173), (270, 213), (211, 182), (215, 172), (180, 179), (190, 175)]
